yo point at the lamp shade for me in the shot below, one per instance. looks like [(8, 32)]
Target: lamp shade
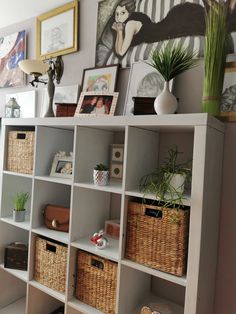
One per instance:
[(33, 66)]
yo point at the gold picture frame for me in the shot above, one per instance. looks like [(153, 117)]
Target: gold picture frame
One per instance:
[(57, 31)]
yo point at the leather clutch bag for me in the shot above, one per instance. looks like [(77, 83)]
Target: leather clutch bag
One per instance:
[(57, 217)]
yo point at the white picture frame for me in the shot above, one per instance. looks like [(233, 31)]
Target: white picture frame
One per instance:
[(87, 107), (62, 167)]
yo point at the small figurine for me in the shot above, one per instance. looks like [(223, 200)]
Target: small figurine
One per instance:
[(99, 240)]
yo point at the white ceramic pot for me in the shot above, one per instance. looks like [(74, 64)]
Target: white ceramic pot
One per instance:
[(100, 177), (166, 102), (176, 182)]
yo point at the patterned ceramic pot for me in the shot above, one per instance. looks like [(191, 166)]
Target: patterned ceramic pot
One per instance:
[(100, 177)]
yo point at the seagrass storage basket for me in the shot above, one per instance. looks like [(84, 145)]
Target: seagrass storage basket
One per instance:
[(96, 282), (20, 154), (158, 237), (50, 263)]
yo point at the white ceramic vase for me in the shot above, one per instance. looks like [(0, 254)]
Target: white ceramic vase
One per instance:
[(100, 177), (176, 182), (166, 102)]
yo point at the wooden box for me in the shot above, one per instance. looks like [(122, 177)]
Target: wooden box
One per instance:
[(144, 105), (112, 228), (16, 256), (60, 310), (65, 109)]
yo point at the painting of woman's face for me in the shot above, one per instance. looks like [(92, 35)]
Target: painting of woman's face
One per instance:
[(121, 14)]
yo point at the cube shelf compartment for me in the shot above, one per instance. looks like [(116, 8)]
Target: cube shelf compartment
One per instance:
[(146, 140)]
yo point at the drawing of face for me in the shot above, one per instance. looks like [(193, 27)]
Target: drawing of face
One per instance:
[(121, 14)]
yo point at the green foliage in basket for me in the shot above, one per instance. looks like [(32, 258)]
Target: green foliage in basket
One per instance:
[(215, 49), (172, 61), (158, 181), (19, 200), (101, 167)]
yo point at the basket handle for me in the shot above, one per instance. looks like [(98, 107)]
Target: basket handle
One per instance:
[(155, 213), (21, 136), (96, 263), (51, 247)]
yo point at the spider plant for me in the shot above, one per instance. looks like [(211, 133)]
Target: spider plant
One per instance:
[(19, 200)]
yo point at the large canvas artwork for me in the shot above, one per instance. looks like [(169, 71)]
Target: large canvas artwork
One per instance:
[(128, 30), (12, 50)]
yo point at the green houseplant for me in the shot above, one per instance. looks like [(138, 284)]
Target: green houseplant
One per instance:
[(19, 201), (170, 62), (167, 182), (101, 174), (215, 56)]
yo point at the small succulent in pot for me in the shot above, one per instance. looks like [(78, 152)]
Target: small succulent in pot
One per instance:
[(19, 201), (101, 174)]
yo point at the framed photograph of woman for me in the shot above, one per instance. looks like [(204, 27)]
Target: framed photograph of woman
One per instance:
[(101, 79), (96, 104), (62, 167), (57, 31)]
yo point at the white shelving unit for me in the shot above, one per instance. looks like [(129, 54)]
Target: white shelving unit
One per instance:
[(146, 141)]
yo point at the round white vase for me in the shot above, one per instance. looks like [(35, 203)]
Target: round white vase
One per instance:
[(166, 102)]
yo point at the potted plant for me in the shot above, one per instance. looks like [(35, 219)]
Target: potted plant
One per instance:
[(101, 174), (167, 182), (215, 56), (170, 62), (19, 200)]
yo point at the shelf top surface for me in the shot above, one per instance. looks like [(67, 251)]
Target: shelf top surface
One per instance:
[(119, 122)]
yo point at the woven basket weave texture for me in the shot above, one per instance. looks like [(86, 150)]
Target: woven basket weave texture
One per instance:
[(50, 264), (20, 154), (157, 237), (96, 282)]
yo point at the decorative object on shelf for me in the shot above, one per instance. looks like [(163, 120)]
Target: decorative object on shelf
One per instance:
[(65, 109), (116, 163), (57, 217), (167, 182), (62, 165), (228, 98), (92, 103), (26, 101), (215, 56), (156, 309), (12, 109), (49, 253), (54, 37), (37, 68), (100, 79), (112, 228), (12, 51), (99, 240), (19, 201), (144, 82), (161, 240), (101, 175), (20, 143), (96, 282), (16, 256), (170, 61), (143, 105)]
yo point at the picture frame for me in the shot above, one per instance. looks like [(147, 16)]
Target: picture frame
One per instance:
[(228, 99), (100, 79), (57, 31), (62, 166), (144, 81), (96, 104), (26, 101)]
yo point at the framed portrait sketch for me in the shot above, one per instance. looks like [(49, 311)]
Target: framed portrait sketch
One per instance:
[(144, 81), (96, 104), (102, 79), (57, 31), (228, 99), (62, 166)]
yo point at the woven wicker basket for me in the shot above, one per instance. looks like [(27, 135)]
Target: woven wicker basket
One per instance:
[(96, 282), (157, 237), (50, 264), (20, 151)]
